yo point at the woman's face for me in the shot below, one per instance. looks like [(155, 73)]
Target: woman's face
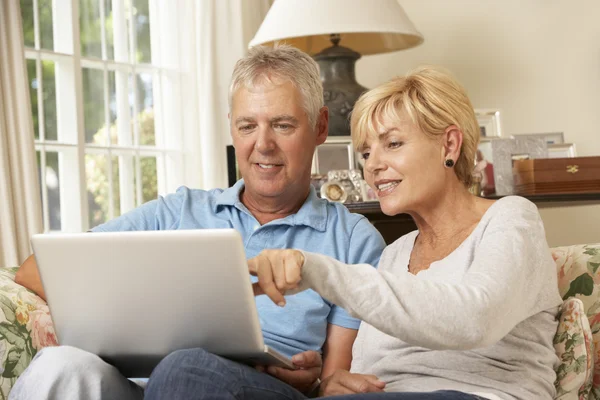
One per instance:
[(403, 165)]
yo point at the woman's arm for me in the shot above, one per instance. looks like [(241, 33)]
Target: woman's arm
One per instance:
[(502, 287)]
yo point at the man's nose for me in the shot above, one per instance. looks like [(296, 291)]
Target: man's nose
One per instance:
[(265, 140)]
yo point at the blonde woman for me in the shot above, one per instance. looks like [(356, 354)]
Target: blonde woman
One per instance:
[(463, 308)]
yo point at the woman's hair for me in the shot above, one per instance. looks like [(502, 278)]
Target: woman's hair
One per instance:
[(281, 62), (433, 99)]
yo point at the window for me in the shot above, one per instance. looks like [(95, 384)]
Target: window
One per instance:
[(99, 93)]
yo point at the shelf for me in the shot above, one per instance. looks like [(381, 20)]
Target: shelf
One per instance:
[(372, 207)]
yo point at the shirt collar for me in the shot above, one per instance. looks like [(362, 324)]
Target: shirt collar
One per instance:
[(313, 212)]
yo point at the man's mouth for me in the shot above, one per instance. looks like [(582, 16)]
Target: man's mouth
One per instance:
[(268, 166)]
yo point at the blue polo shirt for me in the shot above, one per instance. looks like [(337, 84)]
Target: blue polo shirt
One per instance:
[(319, 226)]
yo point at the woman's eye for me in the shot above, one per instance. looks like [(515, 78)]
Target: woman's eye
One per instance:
[(394, 145), (365, 156)]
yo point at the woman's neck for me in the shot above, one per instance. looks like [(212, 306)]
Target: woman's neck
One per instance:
[(448, 217)]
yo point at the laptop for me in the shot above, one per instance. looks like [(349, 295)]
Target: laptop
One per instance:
[(134, 297)]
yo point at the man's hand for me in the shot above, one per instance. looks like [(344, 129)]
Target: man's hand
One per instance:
[(29, 277), (309, 369), (344, 382), (278, 271)]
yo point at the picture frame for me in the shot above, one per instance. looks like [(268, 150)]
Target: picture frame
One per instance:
[(233, 171), (562, 150), (337, 153), (505, 151), (484, 166), (490, 125), (550, 138)]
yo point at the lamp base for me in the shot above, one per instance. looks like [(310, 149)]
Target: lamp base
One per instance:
[(340, 89)]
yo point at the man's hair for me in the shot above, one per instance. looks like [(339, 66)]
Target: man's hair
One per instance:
[(433, 100), (281, 63)]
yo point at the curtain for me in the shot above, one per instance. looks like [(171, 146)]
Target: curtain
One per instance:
[(20, 204), (216, 36)]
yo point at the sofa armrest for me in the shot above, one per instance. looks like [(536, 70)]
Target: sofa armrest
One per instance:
[(25, 328)]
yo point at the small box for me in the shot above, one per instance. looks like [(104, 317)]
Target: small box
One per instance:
[(557, 175)]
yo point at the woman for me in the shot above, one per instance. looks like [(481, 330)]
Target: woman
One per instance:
[(463, 308)]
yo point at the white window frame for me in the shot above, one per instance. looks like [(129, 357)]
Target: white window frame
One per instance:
[(70, 143)]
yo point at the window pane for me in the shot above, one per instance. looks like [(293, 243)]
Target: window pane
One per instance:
[(28, 28), (45, 17), (49, 94), (116, 186), (93, 106), (142, 31), (145, 107), (53, 187), (89, 26), (96, 172), (33, 85), (149, 179), (108, 26)]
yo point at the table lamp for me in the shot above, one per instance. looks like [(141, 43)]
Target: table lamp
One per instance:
[(336, 33)]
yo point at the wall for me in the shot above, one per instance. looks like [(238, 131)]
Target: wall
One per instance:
[(538, 61)]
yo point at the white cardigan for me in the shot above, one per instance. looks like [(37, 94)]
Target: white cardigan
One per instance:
[(480, 320)]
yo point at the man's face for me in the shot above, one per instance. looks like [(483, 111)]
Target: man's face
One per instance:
[(274, 142)]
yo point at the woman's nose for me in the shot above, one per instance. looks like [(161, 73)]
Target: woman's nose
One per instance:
[(374, 163)]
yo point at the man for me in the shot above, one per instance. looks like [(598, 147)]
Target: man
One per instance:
[(277, 119)]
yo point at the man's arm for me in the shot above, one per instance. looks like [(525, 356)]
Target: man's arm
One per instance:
[(29, 277), (337, 350)]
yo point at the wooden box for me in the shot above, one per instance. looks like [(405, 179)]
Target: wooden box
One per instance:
[(557, 175)]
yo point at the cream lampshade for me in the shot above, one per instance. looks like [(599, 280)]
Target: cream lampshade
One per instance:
[(336, 33)]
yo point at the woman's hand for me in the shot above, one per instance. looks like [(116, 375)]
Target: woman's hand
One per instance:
[(344, 382), (278, 271)]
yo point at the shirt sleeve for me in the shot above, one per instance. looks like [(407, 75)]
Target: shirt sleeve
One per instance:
[(163, 213), (366, 246), (511, 278)]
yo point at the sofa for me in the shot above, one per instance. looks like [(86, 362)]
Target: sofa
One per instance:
[(26, 326)]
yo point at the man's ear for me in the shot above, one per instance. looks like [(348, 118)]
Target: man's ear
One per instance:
[(322, 125), (453, 139)]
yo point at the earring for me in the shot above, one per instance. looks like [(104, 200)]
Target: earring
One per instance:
[(449, 163)]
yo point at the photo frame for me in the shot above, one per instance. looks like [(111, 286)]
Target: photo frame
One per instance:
[(505, 151), (550, 138), (484, 167), (562, 150), (233, 171), (490, 125), (337, 153)]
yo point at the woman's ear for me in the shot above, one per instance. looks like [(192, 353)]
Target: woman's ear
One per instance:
[(453, 139)]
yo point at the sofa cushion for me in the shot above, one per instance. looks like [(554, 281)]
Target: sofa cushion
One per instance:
[(573, 344), (578, 269), (25, 328)]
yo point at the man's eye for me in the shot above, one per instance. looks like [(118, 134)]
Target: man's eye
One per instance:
[(246, 128), (365, 156), (283, 127)]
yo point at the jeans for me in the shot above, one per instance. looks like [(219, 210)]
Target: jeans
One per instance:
[(197, 374), (67, 373)]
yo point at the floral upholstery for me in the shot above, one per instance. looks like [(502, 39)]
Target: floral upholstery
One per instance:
[(579, 276), (26, 327), (573, 344)]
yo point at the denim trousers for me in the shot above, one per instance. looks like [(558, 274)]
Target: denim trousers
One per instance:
[(66, 373), (197, 374)]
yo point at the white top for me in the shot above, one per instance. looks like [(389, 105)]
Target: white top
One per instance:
[(480, 320)]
